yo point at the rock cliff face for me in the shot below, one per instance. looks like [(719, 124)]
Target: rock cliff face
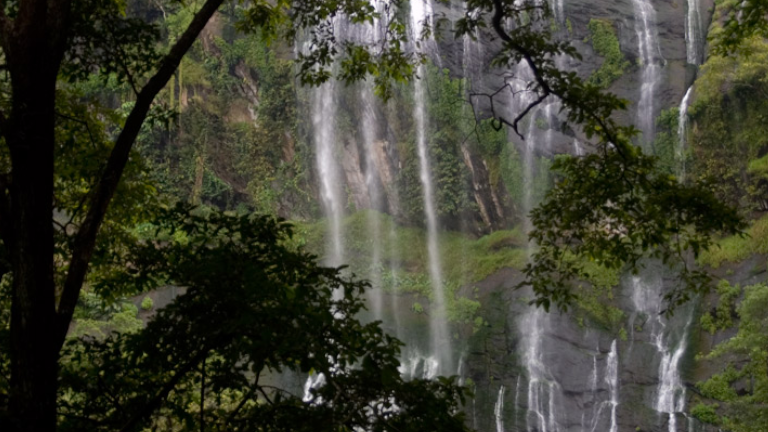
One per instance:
[(593, 378), (578, 374), (612, 365), (470, 60)]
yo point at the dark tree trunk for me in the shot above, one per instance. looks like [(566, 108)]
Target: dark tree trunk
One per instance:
[(33, 44), (30, 137)]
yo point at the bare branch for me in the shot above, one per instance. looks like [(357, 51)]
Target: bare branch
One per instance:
[(542, 84)]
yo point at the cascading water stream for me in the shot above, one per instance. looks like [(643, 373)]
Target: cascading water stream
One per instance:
[(472, 48), (612, 379), (670, 394), (498, 410), (421, 13), (369, 34), (694, 55), (578, 148), (542, 388), (558, 10), (324, 123), (682, 137), (323, 112), (651, 58), (693, 33)]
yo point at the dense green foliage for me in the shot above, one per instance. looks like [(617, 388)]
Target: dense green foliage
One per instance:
[(275, 311), (740, 388), (634, 213), (666, 145), (738, 247), (726, 111), (606, 44)]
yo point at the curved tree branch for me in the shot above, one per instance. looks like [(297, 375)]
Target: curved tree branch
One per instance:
[(85, 240)]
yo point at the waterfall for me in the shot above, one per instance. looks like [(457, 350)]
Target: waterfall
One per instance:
[(558, 10), (418, 366), (612, 379), (331, 193), (650, 56), (578, 148), (542, 388), (693, 33), (671, 398), (670, 393), (421, 13), (472, 46), (682, 130), (369, 34), (314, 381), (498, 410), (596, 407), (375, 196)]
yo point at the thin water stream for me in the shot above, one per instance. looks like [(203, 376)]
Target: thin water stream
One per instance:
[(421, 14), (651, 62)]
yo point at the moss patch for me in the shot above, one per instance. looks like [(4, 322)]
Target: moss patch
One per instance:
[(606, 44), (403, 259)]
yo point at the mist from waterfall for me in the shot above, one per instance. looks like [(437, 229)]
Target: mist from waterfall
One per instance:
[(369, 133), (652, 60)]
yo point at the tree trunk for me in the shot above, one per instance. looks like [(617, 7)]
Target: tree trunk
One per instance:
[(30, 137)]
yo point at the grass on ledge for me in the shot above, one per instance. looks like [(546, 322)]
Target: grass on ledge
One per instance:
[(738, 248)]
